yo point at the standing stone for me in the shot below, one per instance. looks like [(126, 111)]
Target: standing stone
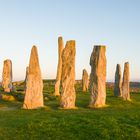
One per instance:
[(85, 80), (34, 84), (98, 77), (68, 95), (125, 84), (26, 78), (59, 67), (7, 76), (27, 72), (118, 82)]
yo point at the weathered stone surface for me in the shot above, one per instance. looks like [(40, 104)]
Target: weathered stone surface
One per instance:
[(118, 82), (68, 95), (85, 80), (7, 76), (125, 84), (59, 67), (98, 77), (34, 85)]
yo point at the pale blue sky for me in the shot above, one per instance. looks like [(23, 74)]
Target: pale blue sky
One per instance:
[(114, 23)]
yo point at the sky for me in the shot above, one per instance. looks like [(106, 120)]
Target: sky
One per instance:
[(114, 23)]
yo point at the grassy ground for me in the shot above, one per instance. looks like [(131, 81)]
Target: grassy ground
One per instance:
[(120, 120)]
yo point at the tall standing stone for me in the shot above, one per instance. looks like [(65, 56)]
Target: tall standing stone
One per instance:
[(98, 77), (85, 80), (118, 81), (59, 67), (125, 84), (68, 95), (34, 84), (7, 75)]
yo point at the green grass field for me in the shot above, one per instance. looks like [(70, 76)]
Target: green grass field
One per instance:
[(120, 120)]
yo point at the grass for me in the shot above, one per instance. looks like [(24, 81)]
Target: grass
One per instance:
[(120, 120)]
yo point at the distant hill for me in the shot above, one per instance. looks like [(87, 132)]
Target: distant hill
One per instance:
[(132, 84)]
